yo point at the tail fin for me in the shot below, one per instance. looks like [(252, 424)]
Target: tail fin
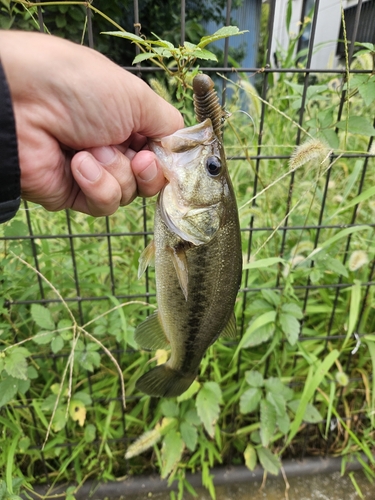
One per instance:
[(163, 381)]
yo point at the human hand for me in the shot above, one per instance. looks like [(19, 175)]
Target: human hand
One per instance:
[(82, 123)]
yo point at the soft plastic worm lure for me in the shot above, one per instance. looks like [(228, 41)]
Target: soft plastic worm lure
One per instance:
[(206, 103)]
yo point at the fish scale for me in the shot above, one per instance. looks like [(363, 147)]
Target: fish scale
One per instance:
[(196, 251)]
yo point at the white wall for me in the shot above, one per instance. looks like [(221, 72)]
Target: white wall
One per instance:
[(327, 29)]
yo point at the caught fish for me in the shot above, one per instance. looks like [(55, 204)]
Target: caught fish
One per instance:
[(196, 249)]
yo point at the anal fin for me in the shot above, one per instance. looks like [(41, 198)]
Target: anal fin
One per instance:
[(230, 329)]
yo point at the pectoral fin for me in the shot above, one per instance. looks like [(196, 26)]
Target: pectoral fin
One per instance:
[(230, 330), (180, 264), (150, 335), (146, 258)]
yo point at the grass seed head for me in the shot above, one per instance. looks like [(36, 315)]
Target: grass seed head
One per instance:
[(342, 379), (314, 149), (144, 442), (358, 259), (159, 87)]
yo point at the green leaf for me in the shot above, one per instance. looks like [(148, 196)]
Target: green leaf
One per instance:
[(59, 419), (60, 20), (49, 403), (143, 56), (250, 399), (250, 457), (261, 335), (83, 397), (338, 236), (162, 43), (278, 402), (365, 195), (267, 421), (270, 462), (293, 309), (331, 137), (190, 46), (90, 433), (77, 13), (313, 380), (283, 423), (23, 386), (254, 378), (31, 373), (24, 444), (8, 389), (355, 304), (290, 326), (15, 228), (66, 326), (86, 356), (357, 125), (206, 55), (224, 32), (274, 385), (311, 415), (189, 435), (367, 91), (42, 317), (271, 297), (366, 45), (208, 405), (259, 306), (57, 344), (192, 417), (289, 10), (171, 452), (169, 408), (15, 363), (336, 266), (193, 389), (261, 263), (162, 51), (249, 339), (43, 338), (126, 34)]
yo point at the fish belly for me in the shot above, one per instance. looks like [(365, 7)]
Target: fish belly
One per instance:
[(191, 324)]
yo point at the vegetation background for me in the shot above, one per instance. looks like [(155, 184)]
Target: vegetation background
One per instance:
[(298, 381)]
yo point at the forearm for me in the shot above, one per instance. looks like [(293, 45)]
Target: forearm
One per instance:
[(10, 188)]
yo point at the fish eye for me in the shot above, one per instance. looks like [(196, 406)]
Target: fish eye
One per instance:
[(213, 166)]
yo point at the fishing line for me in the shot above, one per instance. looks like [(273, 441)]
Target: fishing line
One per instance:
[(295, 206), (282, 177), (248, 115)]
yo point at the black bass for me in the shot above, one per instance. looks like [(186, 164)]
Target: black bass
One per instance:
[(196, 249)]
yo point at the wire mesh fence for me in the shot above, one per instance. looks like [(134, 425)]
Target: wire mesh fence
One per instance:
[(316, 217)]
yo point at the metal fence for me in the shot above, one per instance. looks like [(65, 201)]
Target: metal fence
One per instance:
[(56, 244)]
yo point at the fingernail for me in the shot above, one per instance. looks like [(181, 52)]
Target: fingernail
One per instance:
[(149, 173), (89, 169), (104, 154)]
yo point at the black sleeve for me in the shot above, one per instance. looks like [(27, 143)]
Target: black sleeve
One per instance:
[(10, 188)]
